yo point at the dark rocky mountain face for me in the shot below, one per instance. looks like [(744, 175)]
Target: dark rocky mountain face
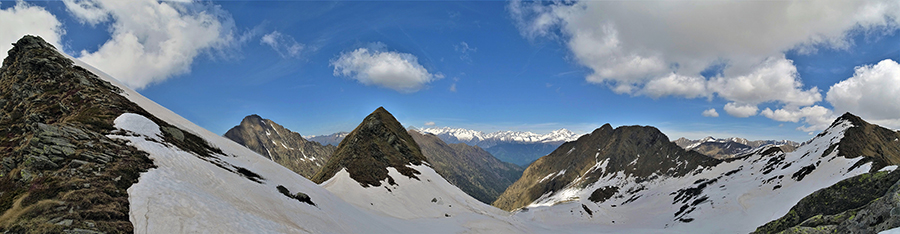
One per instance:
[(281, 145), (60, 172), (470, 168), (633, 150), (877, 143), (379, 142)]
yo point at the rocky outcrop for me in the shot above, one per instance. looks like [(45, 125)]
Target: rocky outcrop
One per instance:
[(281, 145), (379, 142), (867, 203), (469, 168), (638, 151), (59, 172)]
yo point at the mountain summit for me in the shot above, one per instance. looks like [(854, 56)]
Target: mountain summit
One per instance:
[(635, 151), (379, 142), (281, 145)]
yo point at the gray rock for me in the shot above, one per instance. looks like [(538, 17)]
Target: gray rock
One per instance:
[(66, 222), (75, 163), (39, 162), (81, 231), (177, 134)]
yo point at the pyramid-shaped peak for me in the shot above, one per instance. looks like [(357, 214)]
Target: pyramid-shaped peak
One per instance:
[(855, 120), (253, 119), (379, 142)]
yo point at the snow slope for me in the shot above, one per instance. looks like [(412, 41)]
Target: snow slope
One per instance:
[(732, 197), (429, 198)]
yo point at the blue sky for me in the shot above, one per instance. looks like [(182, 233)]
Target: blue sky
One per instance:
[(318, 67)]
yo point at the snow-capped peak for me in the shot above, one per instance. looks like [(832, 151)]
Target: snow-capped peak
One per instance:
[(473, 136)]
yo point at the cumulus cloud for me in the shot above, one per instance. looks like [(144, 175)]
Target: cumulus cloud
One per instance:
[(740, 110), (711, 113), (152, 41), (376, 66), (24, 19), (871, 93), (285, 45), (429, 123), (775, 80), (816, 117), (87, 11), (661, 49)]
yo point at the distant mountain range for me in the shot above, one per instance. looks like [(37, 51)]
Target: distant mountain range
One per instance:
[(332, 139), (724, 148), (520, 148), (488, 140)]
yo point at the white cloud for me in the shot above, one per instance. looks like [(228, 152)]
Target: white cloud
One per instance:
[(285, 45), (660, 49), (375, 66), (25, 19), (774, 80), (87, 11), (740, 110), (676, 85), (816, 117), (152, 41), (453, 87), (711, 113), (873, 93), (465, 51), (429, 123)]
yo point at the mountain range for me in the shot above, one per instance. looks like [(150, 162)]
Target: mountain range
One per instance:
[(520, 148), (724, 148), (331, 139), (83, 153)]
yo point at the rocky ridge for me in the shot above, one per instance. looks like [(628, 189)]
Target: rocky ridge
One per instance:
[(60, 171), (281, 145)]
